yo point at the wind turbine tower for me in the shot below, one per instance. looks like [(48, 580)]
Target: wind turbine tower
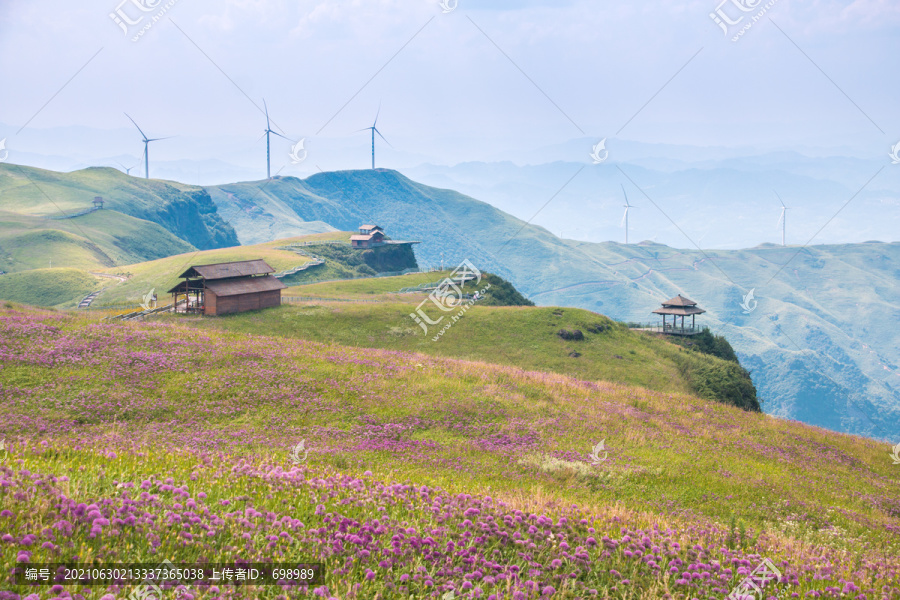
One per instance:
[(374, 130), (782, 220), (268, 151), (625, 218), (146, 147)]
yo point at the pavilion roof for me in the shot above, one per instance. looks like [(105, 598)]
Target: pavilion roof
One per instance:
[(679, 300)]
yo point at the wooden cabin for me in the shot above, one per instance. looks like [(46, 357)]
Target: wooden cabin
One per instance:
[(224, 288), (369, 236), (679, 306)]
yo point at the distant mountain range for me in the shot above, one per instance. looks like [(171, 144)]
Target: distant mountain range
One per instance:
[(818, 331), (724, 203)]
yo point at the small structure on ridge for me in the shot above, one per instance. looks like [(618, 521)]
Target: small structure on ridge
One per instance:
[(224, 288), (369, 236), (679, 306)]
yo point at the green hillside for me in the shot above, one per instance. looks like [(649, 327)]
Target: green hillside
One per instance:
[(185, 211), (282, 255), (417, 475), (48, 287), (535, 339), (268, 215), (95, 241), (820, 344)]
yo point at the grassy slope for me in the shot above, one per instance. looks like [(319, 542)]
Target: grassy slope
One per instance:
[(162, 274), (185, 211), (95, 241), (822, 506), (266, 217), (381, 287), (517, 336), (63, 287)]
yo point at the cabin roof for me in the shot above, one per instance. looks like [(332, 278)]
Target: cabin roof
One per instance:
[(368, 236), (227, 270), (235, 287)]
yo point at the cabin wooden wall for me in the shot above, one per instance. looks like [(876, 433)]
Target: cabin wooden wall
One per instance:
[(240, 303)]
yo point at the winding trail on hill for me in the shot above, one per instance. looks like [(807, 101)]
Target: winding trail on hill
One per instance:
[(87, 300)]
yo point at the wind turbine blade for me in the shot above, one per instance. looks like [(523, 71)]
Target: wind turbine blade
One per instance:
[(779, 199), (268, 126), (376, 115), (382, 137), (163, 138), (363, 129), (626, 195), (261, 137), (282, 136), (136, 125), (625, 216)]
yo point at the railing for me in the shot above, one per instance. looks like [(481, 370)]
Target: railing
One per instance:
[(424, 287), (669, 328), (315, 243), (303, 267), (81, 213)]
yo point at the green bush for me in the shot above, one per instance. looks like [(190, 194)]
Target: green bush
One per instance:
[(501, 292), (722, 380), (707, 343)]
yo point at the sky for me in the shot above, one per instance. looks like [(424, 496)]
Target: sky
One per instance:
[(481, 81), (455, 81)]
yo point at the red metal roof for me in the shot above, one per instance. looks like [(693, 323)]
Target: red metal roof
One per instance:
[(231, 269), (368, 236), (248, 285)]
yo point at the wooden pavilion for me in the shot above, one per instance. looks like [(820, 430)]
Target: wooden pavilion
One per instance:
[(224, 288), (679, 306)]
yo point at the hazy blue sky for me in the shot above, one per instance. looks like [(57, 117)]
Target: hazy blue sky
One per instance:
[(449, 94)]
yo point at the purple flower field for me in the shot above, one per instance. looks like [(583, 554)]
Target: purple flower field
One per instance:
[(129, 443)]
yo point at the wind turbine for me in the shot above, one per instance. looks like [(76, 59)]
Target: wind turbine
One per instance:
[(374, 131), (782, 220), (146, 147), (625, 218), (268, 151), (128, 169)]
